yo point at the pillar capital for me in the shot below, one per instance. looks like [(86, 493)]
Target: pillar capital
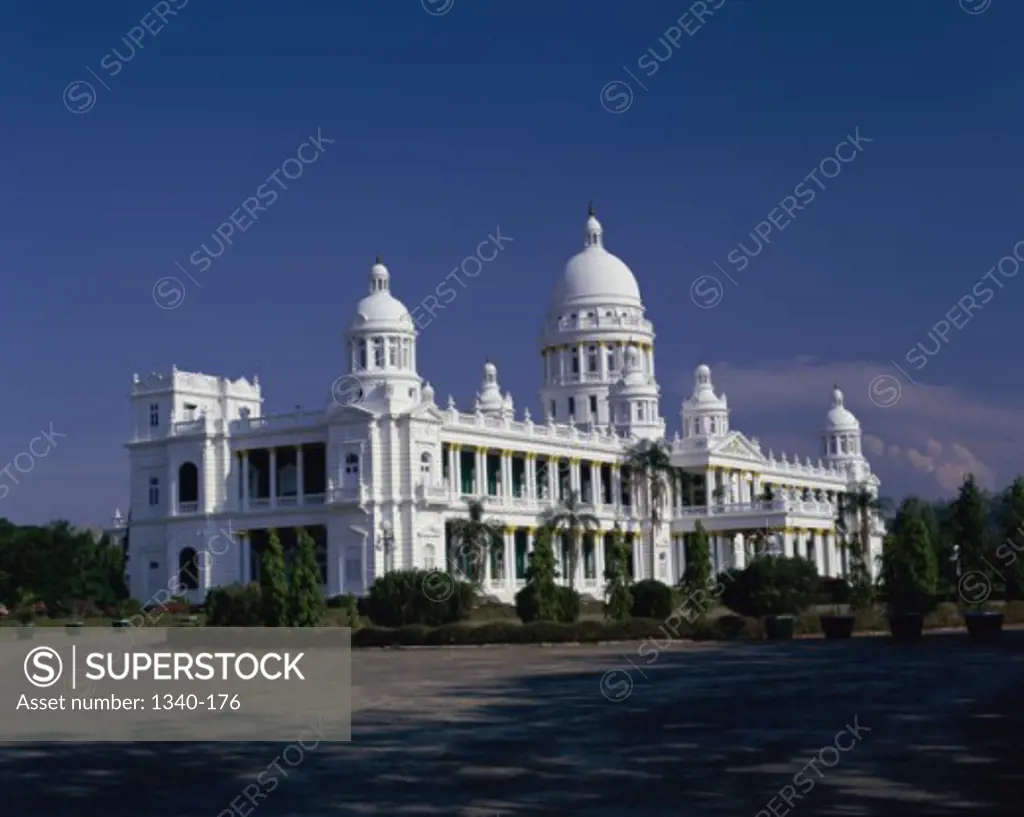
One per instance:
[(482, 449)]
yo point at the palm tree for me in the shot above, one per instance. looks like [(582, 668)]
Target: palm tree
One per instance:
[(571, 519), (651, 460), (866, 506), (476, 537)]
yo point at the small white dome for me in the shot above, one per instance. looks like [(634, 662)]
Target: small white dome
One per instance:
[(839, 417), (595, 276), (380, 309), (703, 396)]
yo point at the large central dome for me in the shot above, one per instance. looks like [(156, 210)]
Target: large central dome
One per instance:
[(595, 276)]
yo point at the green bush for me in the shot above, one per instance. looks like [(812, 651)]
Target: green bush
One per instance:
[(568, 605), (833, 590), (430, 598), (771, 586), (910, 572), (652, 599), (348, 604), (236, 605), (534, 603)]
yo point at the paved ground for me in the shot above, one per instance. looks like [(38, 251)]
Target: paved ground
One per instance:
[(704, 730)]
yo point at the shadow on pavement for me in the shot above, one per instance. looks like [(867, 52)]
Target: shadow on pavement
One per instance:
[(705, 730)]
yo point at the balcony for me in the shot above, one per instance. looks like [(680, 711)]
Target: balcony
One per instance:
[(792, 507), (355, 494), (436, 495)]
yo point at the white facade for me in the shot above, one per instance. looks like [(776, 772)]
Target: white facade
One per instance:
[(376, 475)]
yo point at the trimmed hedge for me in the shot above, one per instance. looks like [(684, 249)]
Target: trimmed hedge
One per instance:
[(426, 597), (652, 599)]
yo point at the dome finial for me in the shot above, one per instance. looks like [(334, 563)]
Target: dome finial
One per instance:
[(590, 211), (380, 258)]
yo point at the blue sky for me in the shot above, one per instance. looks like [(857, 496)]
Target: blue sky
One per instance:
[(447, 125)]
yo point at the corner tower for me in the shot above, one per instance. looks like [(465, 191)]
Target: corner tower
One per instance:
[(594, 316), (381, 349)]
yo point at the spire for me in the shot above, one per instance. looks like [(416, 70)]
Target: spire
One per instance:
[(591, 212), (593, 232)]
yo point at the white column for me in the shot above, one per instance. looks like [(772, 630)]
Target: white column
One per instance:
[(595, 483), (481, 472), (457, 470), (273, 477), (300, 480), (510, 558), (530, 476), (451, 469), (739, 559), (507, 473), (710, 485), (575, 476), (245, 480), (599, 556), (787, 542), (617, 489), (553, 478)]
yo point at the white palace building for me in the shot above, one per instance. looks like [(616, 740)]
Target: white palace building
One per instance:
[(377, 474)]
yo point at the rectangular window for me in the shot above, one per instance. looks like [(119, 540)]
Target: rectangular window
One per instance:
[(592, 359), (575, 361), (154, 491), (154, 415), (522, 539), (593, 407), (611, 361), (553, 405), (393, 351), (353, 567), (572, 408), (362, 354), (154, 565), (378, 353)]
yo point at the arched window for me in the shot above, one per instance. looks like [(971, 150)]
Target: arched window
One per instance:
[(425, 464), (188, 569), (188, 484)]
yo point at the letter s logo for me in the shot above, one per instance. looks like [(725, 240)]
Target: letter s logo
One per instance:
[(43, 667)]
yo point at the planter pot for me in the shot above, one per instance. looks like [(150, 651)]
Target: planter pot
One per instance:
[(837, 626), (906, 626), (984, 626), (779, 628)]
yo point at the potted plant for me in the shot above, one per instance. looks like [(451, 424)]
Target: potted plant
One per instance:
[(984, 623), (859, 594), (909, 577), (775, 588), (971, 528)]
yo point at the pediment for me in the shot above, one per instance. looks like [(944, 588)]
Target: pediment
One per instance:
[(739, 447), (426, 411)]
